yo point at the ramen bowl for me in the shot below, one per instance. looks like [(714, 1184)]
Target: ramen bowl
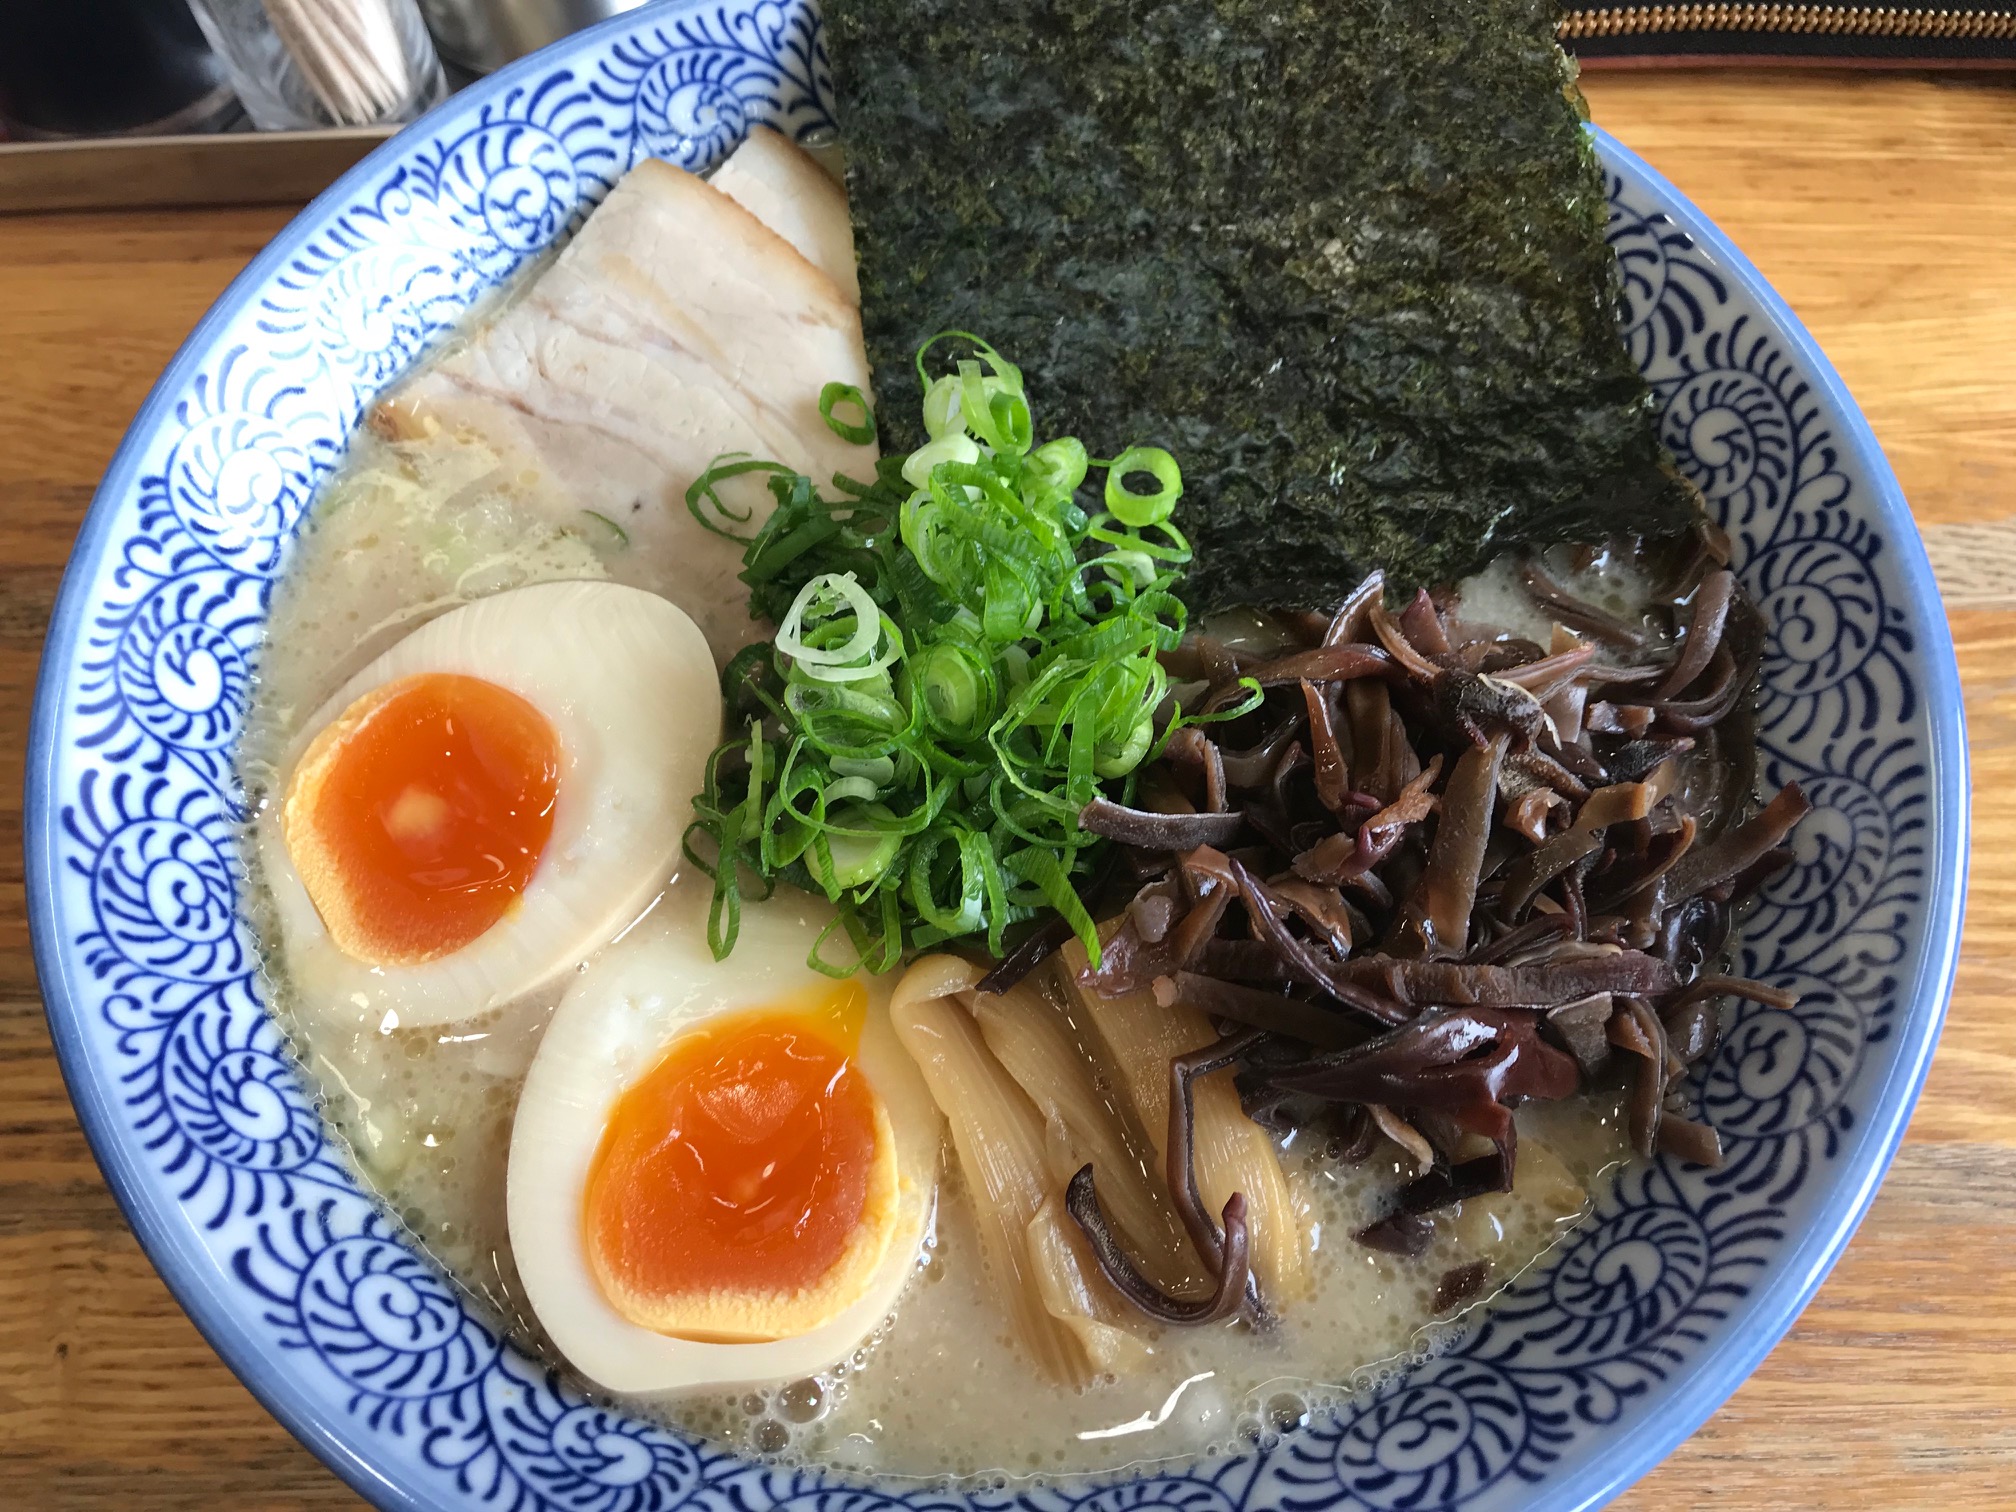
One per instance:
[(1595, 1363)]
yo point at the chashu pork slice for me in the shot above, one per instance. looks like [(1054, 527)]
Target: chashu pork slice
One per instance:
[(783, 188), (675, 327)]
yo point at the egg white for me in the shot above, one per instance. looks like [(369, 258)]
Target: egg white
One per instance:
[(629, 687), (658, 982)]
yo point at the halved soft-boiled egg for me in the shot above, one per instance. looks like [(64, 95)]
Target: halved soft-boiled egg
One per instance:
[(721, 1171), (489, 802)]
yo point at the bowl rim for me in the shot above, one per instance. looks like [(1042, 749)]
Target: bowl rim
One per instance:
[(1776, 1305), (1711, 1378)]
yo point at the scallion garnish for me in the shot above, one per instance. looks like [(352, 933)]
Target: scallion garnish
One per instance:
[(965, 657), (859, 433), (622, 536)]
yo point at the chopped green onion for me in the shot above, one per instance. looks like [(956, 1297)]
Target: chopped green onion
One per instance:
[(941, 409), (1061, 464), (1121, 761), (843, 788), (957, 447), (860, 432), (827, 609), (861, 858), (728, 465), (1142, 510), (622, 535), (877, 769), (965, 656), (957, 685)]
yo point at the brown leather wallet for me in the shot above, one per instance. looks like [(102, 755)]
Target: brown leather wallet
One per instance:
[(1955, 34)]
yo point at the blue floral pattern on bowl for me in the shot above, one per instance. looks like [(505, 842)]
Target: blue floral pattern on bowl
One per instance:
[(1589, 1371)]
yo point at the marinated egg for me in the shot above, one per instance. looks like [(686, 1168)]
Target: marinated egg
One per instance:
[(489, 802), (721, 1171)]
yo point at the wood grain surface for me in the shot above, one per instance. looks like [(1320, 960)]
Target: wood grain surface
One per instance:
[(1882, 208)]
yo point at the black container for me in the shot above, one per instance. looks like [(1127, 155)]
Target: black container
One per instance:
[(72, 68)]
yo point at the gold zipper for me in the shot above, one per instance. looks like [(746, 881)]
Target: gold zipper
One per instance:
[(1807, 20)]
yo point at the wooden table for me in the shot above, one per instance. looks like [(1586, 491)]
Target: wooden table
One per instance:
[(1884, 209)]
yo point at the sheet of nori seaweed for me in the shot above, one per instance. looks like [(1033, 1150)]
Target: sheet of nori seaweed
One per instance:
[(1345, 258)]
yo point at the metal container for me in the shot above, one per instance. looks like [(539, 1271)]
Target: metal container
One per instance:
[(484, 34)]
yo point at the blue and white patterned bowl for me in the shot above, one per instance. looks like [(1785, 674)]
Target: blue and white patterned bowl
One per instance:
[(1594, 1367)]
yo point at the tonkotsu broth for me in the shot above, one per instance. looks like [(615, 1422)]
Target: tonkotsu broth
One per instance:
[(406, 531)]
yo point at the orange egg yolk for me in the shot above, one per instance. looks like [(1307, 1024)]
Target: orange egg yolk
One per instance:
[(417, 818), (738, 1163)]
